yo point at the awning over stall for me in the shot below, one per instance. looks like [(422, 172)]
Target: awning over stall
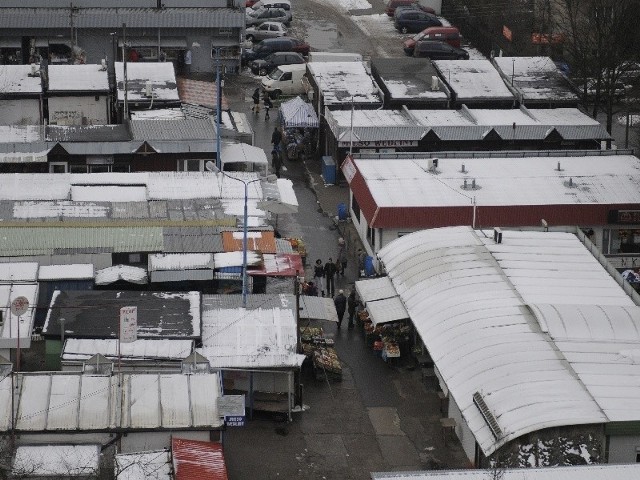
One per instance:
[(280, 265), (387, 310), (317, 308), (375, 289), (298, 113), (243, 153)]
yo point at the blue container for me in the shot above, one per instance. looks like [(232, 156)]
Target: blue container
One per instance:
[(329, 170), (342, 211), (369, 271)]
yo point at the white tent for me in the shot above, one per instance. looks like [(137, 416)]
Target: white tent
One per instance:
[(298, 113), (245, 154)]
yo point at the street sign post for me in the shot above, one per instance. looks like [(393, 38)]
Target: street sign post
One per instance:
[(19, 306)]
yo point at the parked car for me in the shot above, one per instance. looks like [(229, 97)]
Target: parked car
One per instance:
[(450, 35), (283, 4), (265, 30), (393, 4), (263, 66), (439, 51), (415, 21), (271, 45), (413, 6), (250, 3), (256, 17)]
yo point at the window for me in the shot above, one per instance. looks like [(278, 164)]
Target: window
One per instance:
[(228, 31), (191, 165), (286, 76), (58, 167)]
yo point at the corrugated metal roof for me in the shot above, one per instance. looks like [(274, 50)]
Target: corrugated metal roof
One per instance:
[(196, 459), (181, 275), (469, 300), (192, 240), (374, 125), (272, 343), (257, 300), (263, 242), (473, 80), (90, 18), (142, 349), (174, 129), (80, 402), (317, 308), (87, 133), (180, 261), (580, 472), (61, 240)]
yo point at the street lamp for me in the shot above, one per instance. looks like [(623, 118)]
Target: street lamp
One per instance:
[(210, 166)]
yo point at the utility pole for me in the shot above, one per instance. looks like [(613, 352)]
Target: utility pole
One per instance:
[(124, 68)]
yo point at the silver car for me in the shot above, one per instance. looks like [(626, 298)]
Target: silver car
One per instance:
[(262, 15), (265, 30)]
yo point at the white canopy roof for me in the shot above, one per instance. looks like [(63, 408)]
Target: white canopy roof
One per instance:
[(128, 273), (375, 289), (142, 349), (75, 271), (260, 338), (497, 321), (72, 402), (242, 153)]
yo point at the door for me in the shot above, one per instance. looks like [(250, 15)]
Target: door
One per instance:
[(287, 83), (58, 167)]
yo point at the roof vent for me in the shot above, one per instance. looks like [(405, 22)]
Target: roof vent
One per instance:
[(148, 91), (103, 65), (487, 415), (473, 184), (569, 183), (435, 84), (433, 164), (497, 235), (559, 169), (462, 170)]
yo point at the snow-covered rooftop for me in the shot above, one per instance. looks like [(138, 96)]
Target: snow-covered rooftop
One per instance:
[(534, 324), (18, 80), (78, 78), (473, 80), (536, 78), (82, 271), (160, 75), (180, 261), (72, 402), (56, 461), (503, 181), (373, 125), (240, 338), (580, 472), (20, 133), (344, 83), (140, 350)]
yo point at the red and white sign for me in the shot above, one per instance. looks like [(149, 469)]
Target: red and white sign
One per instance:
[(128, 324), (19, 306)]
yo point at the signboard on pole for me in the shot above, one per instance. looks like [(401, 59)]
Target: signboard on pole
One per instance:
[(128, 324), (232, 408), (19, 306)]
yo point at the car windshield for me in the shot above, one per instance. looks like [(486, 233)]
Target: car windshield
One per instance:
[(419, 36), (275, 74)]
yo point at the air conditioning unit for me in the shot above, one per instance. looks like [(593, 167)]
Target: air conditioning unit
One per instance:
[(435, 83), (432, 164), (148, 91)]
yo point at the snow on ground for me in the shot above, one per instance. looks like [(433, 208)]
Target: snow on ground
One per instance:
[(347, 5)]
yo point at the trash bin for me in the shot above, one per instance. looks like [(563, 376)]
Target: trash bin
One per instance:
[(329, 170), (342, 211), (369, 271)]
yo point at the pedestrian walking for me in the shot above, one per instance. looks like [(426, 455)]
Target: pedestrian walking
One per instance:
[(361, 257), (256, 101), (351, 308), (276, 162), (276, 139), (330, 270), (341, 258), (341, 305), (318, 275), (267, 105)]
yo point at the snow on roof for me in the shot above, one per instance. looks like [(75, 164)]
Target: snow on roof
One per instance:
[(243, 153), (373, 125), (561, 116), (579, 472), (76, 271), (159, 114), (17, 79), (78, 78), (436, 118), (180, 261), (12, 323), (344, 82), (537, 78), (473, 79), (503, 181), (19, 272), (56, 460), (128, 273), (142, 349), (20, 133), (240, 338), (72, 402), (480, 307), (197, 459), (160, 75), (144, 466), (117, 193)]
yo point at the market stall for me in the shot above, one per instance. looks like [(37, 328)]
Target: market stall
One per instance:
[(321, 353), (299, 123)]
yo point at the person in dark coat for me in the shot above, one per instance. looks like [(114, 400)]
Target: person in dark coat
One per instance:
[(351, 308), (330, 270), (276, 162), (318, 275), (267, 105), (312, 290), (341, 305), (276, 139), (256, 101)]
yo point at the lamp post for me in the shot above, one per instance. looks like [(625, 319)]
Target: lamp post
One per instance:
[(210, 166)]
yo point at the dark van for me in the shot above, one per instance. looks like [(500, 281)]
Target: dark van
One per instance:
[(272, 45), (439, 51), (415, 21), (450, 35)]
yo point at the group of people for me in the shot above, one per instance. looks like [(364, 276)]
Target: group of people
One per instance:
[(266, 100), (349, 304)]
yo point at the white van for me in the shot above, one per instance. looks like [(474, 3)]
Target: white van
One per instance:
[(285, 80), (334, 57)]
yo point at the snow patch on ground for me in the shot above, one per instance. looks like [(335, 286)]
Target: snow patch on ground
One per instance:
[(347, 5)]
